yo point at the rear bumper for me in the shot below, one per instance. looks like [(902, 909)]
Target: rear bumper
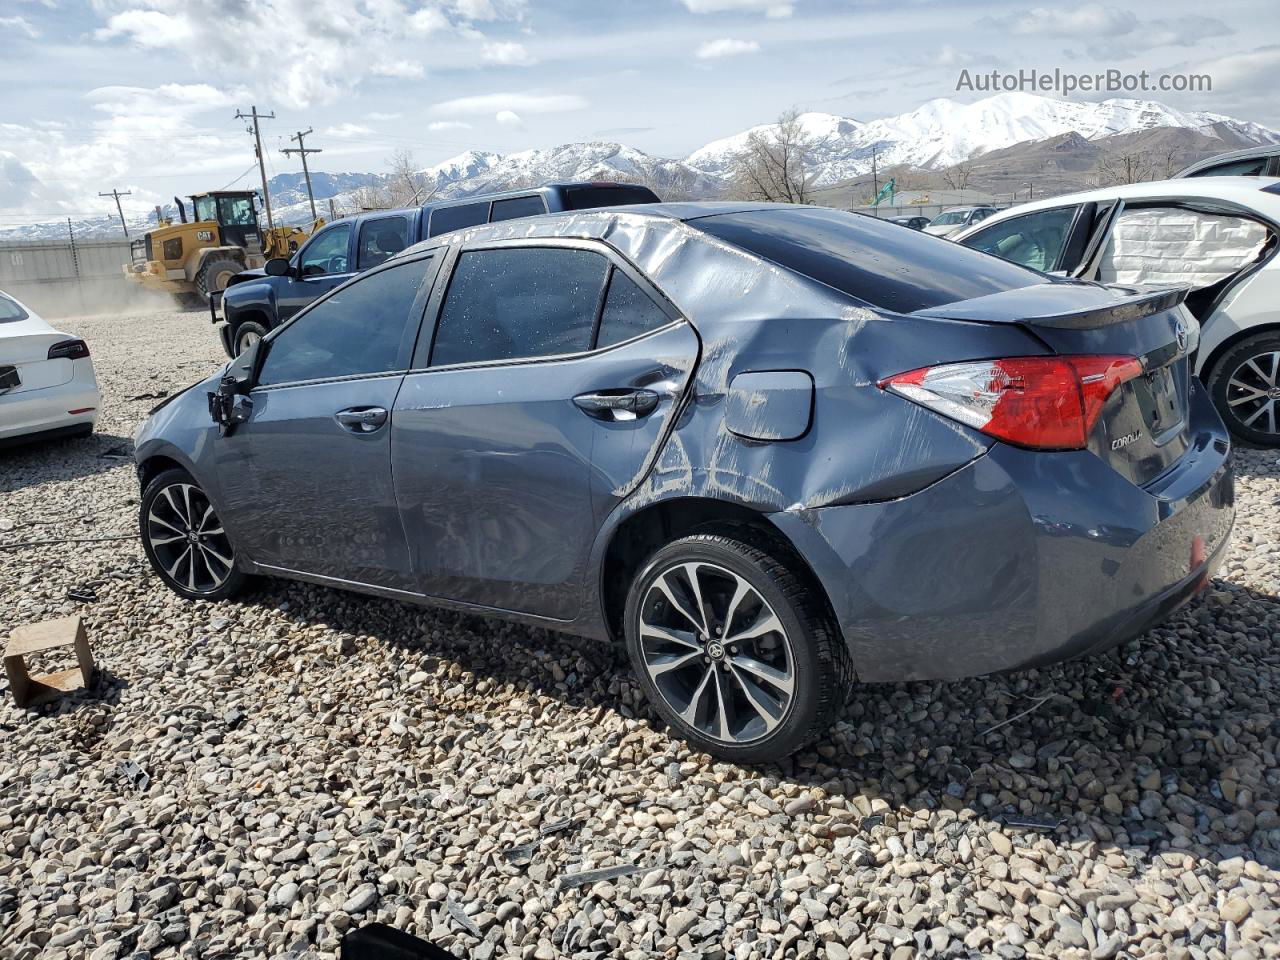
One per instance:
[(1019, 559), (33, 415)]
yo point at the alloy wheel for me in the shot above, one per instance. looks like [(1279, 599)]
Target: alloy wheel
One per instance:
[(1253, 392), (717, 652), (188, 540), (247, 340)]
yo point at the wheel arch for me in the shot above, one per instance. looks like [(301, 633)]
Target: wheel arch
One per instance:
[(637, 536), (1220, 350)]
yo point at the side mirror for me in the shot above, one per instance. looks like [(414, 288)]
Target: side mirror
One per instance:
[(230, 404), (277, 267)]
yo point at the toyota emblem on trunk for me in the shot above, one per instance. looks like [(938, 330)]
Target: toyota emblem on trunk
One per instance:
[(1181, 334)]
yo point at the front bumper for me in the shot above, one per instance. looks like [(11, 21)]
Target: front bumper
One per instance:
[(1019, 558)]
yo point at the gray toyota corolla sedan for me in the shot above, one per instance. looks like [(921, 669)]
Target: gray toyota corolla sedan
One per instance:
[(772, 449)]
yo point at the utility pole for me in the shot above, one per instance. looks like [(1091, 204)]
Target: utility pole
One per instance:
[(116, 195), (255, 116), (875, 184), (302, 150)]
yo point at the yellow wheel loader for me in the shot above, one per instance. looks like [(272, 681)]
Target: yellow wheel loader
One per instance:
[(192, 260)]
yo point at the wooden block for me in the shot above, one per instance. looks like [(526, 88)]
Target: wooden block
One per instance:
[(30, 691)]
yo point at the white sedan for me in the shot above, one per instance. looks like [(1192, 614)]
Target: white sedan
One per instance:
[(1217, 235), (47, 385)]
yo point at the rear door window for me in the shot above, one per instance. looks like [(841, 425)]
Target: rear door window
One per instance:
[(868, 259), (628, 312), (381, 239), (519, 303), (1255, 167), (1034, 240), (516, 207), (444, 219)]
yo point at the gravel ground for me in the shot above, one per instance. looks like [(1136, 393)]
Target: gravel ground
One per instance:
[(312, 761)]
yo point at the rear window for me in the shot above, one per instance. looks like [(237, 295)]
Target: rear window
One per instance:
[(516, 207), (9, 310), (584, 198), (444, 219), (877, 262)]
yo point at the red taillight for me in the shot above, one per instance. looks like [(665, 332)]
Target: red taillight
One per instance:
[(1049, 403), (68, 350)]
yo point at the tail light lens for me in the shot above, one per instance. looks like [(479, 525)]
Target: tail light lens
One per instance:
[(1046, 403), (68, 350)]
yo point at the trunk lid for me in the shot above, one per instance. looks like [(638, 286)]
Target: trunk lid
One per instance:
[(24, 344), (1143, 429)]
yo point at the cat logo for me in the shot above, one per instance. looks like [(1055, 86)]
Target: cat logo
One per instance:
[(1119, 443)]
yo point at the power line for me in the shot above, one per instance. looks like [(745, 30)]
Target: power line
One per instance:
[(302, 150), (116, 195)]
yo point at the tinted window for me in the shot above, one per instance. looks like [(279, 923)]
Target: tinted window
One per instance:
[(380, 239), (205, 209), (874, 261), (357, 330), (1241, 168), (444, 219), (1034, 240), (628, 312), (9, 310), (516, 207), (327, 253), (582, 198), (527, 302)]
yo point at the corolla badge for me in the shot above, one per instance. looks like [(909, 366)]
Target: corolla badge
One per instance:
[(1119, 443)]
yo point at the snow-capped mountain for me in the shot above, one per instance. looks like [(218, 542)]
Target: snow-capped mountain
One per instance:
[(944, 132), (935, 135)]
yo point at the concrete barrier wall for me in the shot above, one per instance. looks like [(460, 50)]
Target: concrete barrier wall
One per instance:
[(62, 279)]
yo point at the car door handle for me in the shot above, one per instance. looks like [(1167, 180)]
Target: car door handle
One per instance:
[(617, 405), (361, 419)]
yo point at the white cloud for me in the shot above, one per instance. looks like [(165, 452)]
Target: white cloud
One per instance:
[(770, 8), (300, 53), (384, 116), (20, 25), (523, 102), (508, 118), (507, 53), (726, 47), (405, 69), (438, 126), (1093, 21), (345, 131)]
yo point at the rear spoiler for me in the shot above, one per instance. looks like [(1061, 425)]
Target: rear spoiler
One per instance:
[(1064, 305)]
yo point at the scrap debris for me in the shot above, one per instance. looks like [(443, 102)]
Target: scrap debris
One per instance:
[(587, 877), (461, 918), (29, 690)]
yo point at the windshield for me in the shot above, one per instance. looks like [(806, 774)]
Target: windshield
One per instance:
[(9, 310), (236, 211), (205, 209), (950, 218)]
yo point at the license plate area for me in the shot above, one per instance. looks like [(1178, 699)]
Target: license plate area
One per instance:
[(9, 378), (1162, 403)]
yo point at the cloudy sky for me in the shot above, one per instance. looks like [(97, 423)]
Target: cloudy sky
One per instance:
[(141, 94)]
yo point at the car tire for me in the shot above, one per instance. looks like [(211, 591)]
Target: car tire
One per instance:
[(214, 276), (202, 567), (759, 699), (1239, 389), (247, 334)]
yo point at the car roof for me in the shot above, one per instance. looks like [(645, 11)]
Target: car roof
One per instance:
[(537, 191), (1246, 192), (1248, 153)]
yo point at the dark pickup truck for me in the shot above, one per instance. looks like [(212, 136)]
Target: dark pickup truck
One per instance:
[(255, 301)]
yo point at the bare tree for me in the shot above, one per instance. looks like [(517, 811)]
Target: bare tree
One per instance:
[(776, 163), (957, 175), (404, 186), (673, 184), (1117, 168)]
